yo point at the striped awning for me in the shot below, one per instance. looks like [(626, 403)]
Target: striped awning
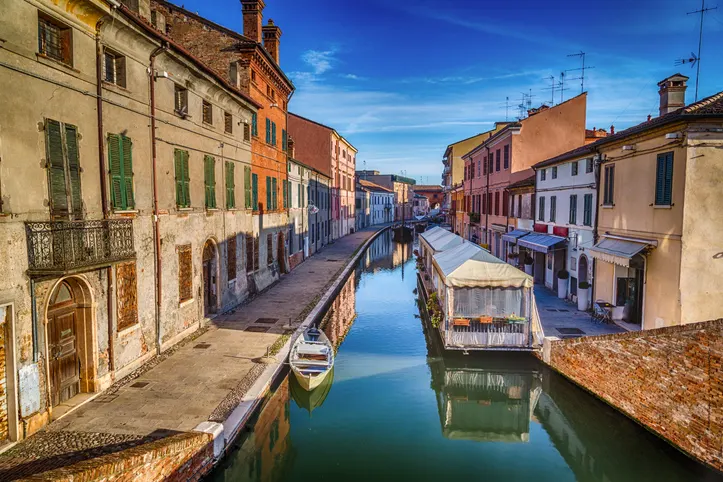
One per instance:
[(513, 236), (618, 251), (540, 242)]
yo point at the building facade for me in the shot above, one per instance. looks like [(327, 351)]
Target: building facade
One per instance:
[(420, 205), (97, 211), (381, 203), (434, 195), (521, 195), (402, 187), (363, 207), (299, 176)]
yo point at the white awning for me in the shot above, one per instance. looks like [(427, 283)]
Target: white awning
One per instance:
[(618, 251), (540, 242), (438, 239)]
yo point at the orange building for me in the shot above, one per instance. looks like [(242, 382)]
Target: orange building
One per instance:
[(251, 62)]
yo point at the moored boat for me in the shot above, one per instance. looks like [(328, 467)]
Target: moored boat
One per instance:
[(311, 358)]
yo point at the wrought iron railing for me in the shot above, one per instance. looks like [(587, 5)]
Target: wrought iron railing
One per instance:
[(56, 247)]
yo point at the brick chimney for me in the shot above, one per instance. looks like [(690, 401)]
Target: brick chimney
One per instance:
[(272, 34), (253, 16), (672, 93)]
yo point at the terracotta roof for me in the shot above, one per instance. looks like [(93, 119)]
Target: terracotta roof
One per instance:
[(578, 152), (528, 182), (374, 187)]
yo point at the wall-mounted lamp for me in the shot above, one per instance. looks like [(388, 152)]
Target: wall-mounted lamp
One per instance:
[(274, 105), (673, 135), (629, 147), (162, 74)]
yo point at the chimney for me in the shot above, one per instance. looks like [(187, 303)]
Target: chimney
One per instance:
[(672, 93), (253, 16), (272, 34), (612, 130)]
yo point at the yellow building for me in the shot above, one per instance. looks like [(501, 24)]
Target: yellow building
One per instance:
[(659, 247)]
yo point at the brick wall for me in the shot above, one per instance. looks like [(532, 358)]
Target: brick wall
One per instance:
[(669, 379), (184, 457)]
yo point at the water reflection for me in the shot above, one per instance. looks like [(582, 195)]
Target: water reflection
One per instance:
[(341, 314), (310, 400)]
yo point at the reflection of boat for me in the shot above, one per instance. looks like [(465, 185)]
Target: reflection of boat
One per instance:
[(420, 227), (311, 358), (403, 232), (309, 400)]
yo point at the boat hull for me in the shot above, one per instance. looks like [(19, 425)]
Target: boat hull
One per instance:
[(307, 382)]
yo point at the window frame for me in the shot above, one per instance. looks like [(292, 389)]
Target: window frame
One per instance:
[(574, 168), (128, 318), (609, 186), (543, 174), (572, 218), (553, 209), (64, 34), (119, 65), (664, 170), (228, 122), (124, 177), (541, 209), (587, 210), (180, 100), (207, 112)]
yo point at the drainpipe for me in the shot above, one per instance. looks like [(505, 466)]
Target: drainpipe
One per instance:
[(597, 167), (156, 218), (487, 201), (103, 186)]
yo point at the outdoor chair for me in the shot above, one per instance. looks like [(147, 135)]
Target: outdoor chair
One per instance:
[(602, 312)]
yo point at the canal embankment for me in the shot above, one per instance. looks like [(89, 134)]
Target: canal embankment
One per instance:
[(669, 380), (211, 384)]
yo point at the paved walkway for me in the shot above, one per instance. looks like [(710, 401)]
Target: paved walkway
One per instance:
[(560, 318), (202, 380)]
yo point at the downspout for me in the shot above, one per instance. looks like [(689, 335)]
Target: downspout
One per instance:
[(487, 201), (156, 218), (597, 167), (104, 187)]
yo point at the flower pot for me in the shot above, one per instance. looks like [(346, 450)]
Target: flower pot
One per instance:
[(528, 269), (583, 296), (562, 288)]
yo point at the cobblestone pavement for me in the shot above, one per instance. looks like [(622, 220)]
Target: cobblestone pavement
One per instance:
[(560, 318), (202, 379)]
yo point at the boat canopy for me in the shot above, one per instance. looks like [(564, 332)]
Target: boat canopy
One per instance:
[(469, 266)]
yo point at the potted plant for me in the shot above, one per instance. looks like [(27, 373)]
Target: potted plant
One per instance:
[(583, 295), (562, 282), (528, 264)]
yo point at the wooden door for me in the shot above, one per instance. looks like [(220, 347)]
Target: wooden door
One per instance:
[(64, 362), (207, 291)]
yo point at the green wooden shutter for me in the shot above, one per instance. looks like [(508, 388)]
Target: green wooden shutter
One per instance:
[(127, 159), (56, 168), (274, 194), (587, 210), (255, 193), (247, 187), (273, 133), (573, 209), (254, 124), (664, 180), (71, 144), (116, 171), (186, 180), (268, 193), (284, 142), (230, 185), (210, 180), (285, 187), (268, 131), (178, 163)]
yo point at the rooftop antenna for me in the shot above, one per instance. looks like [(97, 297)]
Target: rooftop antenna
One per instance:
[(525, 104), (582, 70), (562, 86), (507, 108), (559, 86), (696, 59)]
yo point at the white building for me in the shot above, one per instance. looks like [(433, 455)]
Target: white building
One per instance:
[(566, 196), (381, 202), (421, 205), (362, 207)]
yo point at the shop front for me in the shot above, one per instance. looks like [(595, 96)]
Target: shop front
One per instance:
[(548, 253)]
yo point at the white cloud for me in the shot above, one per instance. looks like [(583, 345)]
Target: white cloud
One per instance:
[(320, 61)]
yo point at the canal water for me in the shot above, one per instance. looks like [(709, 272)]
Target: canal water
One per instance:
[(397, 409)]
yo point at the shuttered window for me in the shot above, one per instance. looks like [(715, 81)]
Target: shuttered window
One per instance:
[(543, 175), (228, 122), (553, 208), (55, 40), (63, 162), (574, 167), (541, 212), (114, 68), (183, 195), (255, 192), (185, 273), (254, 124), (285, 187), (120, 160), (505, 203), (268, 130), (284, 141), (497, 203), (507, 156), (588, 165), (497, 161), (209, 180), (126, 295), (230, 185), (609, 186), (664, 180), (273, 133), (573, 209), (268, 193), (587, 210), (231, 258), (274, 194), (247, 187), (554, 172), (207, 112)]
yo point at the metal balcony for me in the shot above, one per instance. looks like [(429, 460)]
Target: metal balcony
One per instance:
[(63, 247)]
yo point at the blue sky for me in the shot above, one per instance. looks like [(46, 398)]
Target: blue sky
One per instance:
[(402, 79)]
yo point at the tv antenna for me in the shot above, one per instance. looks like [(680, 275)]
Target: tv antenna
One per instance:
[(525, 104), (694, 60), (582, 70)]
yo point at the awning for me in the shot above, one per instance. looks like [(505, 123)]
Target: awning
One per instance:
[(513, 236), (618, 251), (498, 227), (540, 242)]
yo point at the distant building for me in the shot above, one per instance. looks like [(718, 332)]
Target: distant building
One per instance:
[(421, 205), (362, 208), (403, 188), (434, 195), (381, 202)]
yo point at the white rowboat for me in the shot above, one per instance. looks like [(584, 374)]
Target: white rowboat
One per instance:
[(311, 358)]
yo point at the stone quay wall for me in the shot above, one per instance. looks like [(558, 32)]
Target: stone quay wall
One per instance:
[(669, 380), (178, 458)]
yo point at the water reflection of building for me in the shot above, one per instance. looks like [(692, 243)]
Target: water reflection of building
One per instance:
[(377, 255), (341, 314), (484, 401)]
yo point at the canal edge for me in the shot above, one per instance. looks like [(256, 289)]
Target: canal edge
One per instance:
[(225, 433)]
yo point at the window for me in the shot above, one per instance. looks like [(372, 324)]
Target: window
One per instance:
[(230, 185), (55, 40), (121, 171), (574, 168), (114, 68), (63, 162), (507, 156), (284, 142), (183, 196), (253, 76), (126, 295), (553, 208), (231, 258), (247, 132), (285, 195), (228, 123), (207, 112), (181, 100), (543, 174), (505, 203), (497, 203), (274, 195), (573, 209), (479, 168), (484, 167), (209, 181), (254, 124), (185, 273), (664, 180), (255, 192), (541, 213), (609, 186), (269, 249), (270, 132), (587, 212), (554, 172), (588, 165), (497, 161)]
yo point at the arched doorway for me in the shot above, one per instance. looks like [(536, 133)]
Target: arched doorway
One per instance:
[(582, 269), (69, 339), (210, 276)]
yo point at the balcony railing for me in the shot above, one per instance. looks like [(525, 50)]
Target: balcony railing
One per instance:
[(59, 247)]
